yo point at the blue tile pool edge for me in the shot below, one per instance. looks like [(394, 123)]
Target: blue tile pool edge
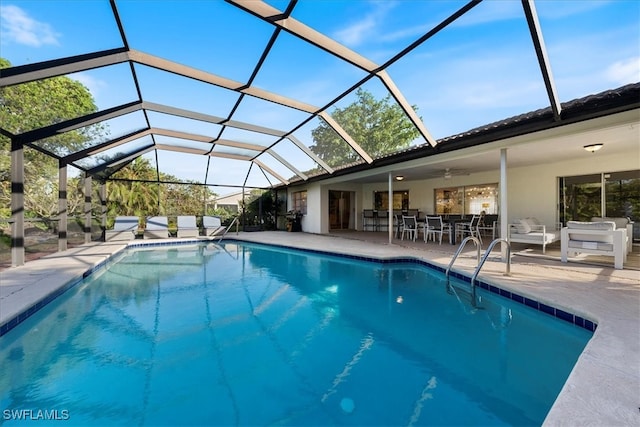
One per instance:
[(11, 323), (536, 305)]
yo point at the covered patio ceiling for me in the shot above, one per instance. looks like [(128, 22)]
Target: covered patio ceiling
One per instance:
[(227, 93)]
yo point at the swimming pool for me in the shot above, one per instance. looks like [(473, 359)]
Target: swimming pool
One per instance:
[(239, 334)]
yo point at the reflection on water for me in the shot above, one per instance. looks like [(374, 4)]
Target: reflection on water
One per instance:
[(244, 334)]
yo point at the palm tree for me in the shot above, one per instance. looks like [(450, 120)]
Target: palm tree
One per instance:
[(133, 197)]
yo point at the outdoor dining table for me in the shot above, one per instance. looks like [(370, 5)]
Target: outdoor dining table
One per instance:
[(452, 223)]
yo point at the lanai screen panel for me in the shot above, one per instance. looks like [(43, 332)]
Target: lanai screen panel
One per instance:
[(94, 136), (40, 31), (228, 172), (375, 30), (316, 80), (181, 167), (294, 155), (260, 178), (479, 68), (375, 121), (485, 61), (274, 163), (593, 46), (248, 137), (111, 86), (167, 88), (108, 156), (183, 124), (211, 36), (268, 114)]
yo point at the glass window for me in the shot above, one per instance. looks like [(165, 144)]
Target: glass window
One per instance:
[(300, 201), (449, 201), (622, 194), (613, 194), (471, 200), (479, 198), (400, 200), (580, 197)]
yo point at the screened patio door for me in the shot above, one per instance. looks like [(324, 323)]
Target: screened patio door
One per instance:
[(340, 210)]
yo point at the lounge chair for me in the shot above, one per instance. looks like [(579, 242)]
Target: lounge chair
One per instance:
[(212, 225), (124, 228), (187, 226), (157, 228)]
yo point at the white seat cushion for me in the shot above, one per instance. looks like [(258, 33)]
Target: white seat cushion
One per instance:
[(597, 225)]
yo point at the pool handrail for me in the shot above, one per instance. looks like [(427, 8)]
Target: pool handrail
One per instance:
[(460, 248), (484, 258), (226, 229)]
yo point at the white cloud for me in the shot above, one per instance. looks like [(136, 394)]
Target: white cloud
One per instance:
[(94, 85), (17, 26), (625, 71), (364, 28), (358, 31)]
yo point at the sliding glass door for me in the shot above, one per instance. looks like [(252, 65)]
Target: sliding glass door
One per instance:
[(580, 197), (614, 194)]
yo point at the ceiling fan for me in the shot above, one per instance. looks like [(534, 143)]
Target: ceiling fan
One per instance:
[(448, 173)]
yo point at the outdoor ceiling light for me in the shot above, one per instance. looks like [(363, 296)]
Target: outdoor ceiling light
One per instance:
[(593, 147), (399, 178)]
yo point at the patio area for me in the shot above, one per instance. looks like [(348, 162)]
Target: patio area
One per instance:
[(520, 252), (602, 389)]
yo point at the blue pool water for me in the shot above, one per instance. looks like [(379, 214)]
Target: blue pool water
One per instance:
[(243, 334)]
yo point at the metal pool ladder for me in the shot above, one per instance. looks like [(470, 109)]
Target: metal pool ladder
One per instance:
[(480, 261), (224, 233)]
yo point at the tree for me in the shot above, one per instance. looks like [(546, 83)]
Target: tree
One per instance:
[(131, 193), (260, 209), (131, 196), (379, 127), (33, 105)]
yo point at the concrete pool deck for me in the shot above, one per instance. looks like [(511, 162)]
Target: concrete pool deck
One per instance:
[(603, 388)]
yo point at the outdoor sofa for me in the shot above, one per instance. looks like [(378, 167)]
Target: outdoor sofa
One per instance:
[(594, 238), (530, 231)]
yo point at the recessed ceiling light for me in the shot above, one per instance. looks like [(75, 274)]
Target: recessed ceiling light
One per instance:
[(399, 178), (593, 147)]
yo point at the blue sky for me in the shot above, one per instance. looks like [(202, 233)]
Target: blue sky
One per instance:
[(480, 69)]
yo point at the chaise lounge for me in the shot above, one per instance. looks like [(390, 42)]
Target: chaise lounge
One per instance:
[(157, 228), (187, 226), (124, 228), (212, 225)]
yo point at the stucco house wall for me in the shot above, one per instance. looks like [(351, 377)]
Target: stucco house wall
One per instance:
[(532, 191)]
